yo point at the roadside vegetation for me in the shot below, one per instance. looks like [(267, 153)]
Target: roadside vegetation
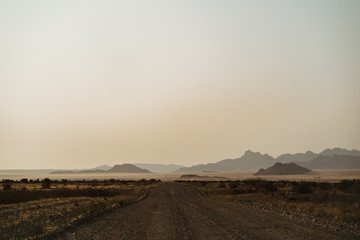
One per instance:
[(317, 203), (33, 209)]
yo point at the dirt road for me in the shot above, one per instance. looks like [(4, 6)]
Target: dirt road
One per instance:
[(173, 211)]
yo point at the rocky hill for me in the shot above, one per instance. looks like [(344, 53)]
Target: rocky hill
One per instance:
[(127, 168), (283, 169)]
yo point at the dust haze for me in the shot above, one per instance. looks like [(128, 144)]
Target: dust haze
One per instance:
[(175, 83), (179, 119)]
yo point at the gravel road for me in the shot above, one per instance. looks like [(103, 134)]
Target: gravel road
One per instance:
[(173, 211)]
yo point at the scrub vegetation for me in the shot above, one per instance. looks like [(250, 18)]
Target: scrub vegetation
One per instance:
[(319, 203), (33, 209)]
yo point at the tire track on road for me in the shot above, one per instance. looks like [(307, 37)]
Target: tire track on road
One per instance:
[(176, 212)]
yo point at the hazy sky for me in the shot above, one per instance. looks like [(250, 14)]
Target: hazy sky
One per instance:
[(86, 83)]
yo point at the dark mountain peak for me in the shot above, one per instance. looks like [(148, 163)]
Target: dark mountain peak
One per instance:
[(283, 169), (251, 153)]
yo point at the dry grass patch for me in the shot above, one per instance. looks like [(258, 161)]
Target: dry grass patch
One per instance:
[(31, 211), (331, 200)]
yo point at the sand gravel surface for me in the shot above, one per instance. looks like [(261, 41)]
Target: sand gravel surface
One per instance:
[(174, 211)]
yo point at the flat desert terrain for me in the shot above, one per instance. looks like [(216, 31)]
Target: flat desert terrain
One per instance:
[(175, 211), (209, 205), (319, 175)]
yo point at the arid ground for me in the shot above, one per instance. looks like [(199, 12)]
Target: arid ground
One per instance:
[(194, 206), (178, 211)]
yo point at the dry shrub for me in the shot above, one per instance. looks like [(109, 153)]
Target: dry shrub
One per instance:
[(7, 183), (349, 186), (221, 184), (233, 185), (267, 187), (302, 188), (336, 201)]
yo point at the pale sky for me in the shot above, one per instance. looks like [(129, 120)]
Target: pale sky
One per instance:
[(86, 83)]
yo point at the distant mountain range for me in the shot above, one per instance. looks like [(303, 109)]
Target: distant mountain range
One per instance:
[(308, 156), (103, 167), (250, 161), (158, 167), (302, 157), (336, 158), (76, 171), (332, 162), (123, 168), (340, 151)]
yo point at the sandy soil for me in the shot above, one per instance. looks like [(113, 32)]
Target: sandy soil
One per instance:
[(173, 211)]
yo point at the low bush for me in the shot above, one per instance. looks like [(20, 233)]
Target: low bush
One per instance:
[(24, 180), (233, 185), (267, 187), (46, 183), (7, 184), (349, 186), (222, 184), (302, 187)]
